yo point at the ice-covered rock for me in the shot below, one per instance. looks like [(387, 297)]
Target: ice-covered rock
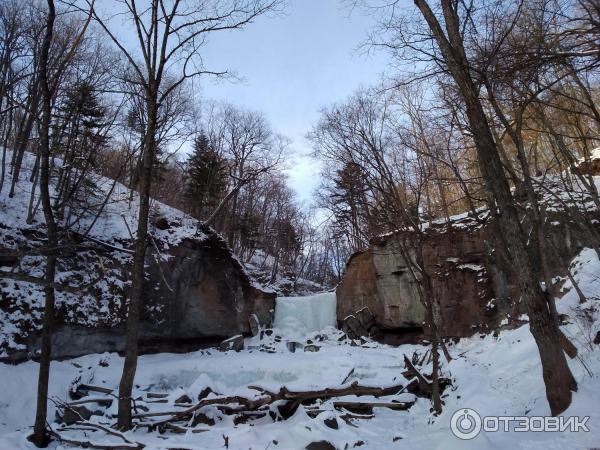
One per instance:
[(302, 315)]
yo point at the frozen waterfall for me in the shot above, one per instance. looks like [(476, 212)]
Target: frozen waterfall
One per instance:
[(302, 315)]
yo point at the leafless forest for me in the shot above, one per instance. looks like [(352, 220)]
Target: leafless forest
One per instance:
[(487, 105)]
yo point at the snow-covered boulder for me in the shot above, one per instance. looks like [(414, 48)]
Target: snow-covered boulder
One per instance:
[(196, 290)]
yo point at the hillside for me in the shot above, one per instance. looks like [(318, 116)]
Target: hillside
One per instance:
[(94, 261)]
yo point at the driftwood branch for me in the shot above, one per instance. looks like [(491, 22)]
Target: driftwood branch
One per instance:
[(292, 399), (424, 383), (95, 445), (278, 405)]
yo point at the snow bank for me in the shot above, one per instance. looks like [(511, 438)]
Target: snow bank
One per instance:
[(492, 374), (302, 315)]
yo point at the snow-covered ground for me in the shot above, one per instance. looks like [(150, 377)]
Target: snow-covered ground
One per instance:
[(492, 375)]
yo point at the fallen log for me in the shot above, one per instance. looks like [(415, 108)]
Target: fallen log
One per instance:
[(313, 413), (156, 395), (179, 429), (83, 390), (102, 401), (293, 400), (85, 425), (368, 406), (97, 445), (567, 346)]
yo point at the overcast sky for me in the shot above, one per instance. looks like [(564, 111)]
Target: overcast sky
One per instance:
[(293, 65)]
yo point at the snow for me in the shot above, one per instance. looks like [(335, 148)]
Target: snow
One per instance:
[(118, 219), (558, 194), (260, 266), (594, 155), (494, 375), (301, 315), (462, 221), (471, 267)]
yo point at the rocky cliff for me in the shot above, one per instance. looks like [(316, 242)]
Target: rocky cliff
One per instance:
[(196, 291), (474, 288)]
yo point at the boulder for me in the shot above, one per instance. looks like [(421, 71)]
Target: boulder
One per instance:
[(254, 324), (205, 393), (366, 318), (320, 445), (462, 279), (353, 328), (206, 292), (331, 422), (292, 346), (200, 418), (76, 413), (235, 343), (8, 257), (183, 399)]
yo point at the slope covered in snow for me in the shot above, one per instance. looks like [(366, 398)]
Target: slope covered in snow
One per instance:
[(494, 375), (100, 224)]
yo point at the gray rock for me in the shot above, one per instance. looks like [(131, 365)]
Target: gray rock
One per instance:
[(353, 328), (76, 414), (233, 343), (197, 296), (292, 346), (204, 393), (311, 348), (366, 318), (201, 418), (320, 445), (254, 324), (331, 422), (184, 399)]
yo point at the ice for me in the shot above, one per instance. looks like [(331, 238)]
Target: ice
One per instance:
[(302, 315)]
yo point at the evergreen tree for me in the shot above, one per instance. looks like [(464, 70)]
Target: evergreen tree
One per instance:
[(206, 180), (78, 138), (348, 201)]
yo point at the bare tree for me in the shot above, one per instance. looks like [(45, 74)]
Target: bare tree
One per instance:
[(49, 81), (438, 39), (169, 37), (363, 132)]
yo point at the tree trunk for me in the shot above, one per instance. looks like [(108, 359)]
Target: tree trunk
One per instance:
[(22, 140), (40, 436), (428, 300), (138, 272), (556, 373)]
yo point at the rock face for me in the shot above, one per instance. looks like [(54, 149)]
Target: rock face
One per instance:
[(591, 166), (206, 292), (474, 289), (196, 294)]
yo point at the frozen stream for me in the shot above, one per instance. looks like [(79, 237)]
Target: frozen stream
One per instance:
[(302, 315)]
